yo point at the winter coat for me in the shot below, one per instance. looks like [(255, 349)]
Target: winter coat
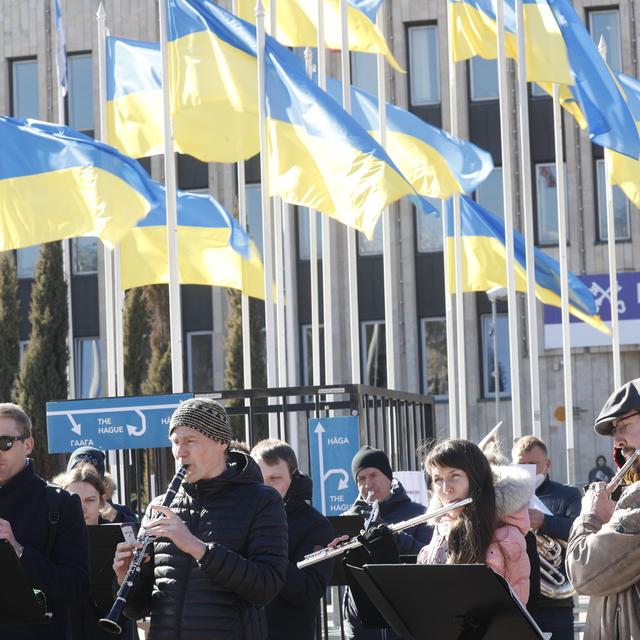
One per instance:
[(396, 508), (507, 554), (564, 503), (63, 575), (296, 606), (222, 596), (603, 562)]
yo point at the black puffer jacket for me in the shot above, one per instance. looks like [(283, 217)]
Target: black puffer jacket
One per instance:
[(63, 575), (396, 508), (293, 612), (223, 596)]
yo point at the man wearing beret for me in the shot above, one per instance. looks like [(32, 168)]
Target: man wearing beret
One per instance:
[(603, 554), (372, 472), (220, 552)]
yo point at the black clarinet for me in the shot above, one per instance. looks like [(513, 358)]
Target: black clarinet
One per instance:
[(110, 622)]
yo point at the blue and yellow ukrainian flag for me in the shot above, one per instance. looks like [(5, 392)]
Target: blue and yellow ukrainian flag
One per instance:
[(213, 83), (624, 171), (595, 89), (297, 26), (319, 157), (432, 160), (213, 248), (57, 183), (473, 32), (485, 258), (134, 97)]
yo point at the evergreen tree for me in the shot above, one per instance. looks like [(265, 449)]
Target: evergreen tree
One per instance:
[(9, 326), (136, 329), (43, 373), (158, 378)]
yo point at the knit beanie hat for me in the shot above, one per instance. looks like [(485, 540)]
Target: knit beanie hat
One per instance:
[(369, 457), (204, 415), (89, 455)]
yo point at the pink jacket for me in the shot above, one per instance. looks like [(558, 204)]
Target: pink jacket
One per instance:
[(507, 554)]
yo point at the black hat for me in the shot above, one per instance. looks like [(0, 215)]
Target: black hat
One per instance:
[(621, 401), (88, 455), (204, 415), (369, 457)]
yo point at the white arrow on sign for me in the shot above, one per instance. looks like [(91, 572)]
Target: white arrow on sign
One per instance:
[(343, 483), (75, 426), (133, 431), (320, 430)]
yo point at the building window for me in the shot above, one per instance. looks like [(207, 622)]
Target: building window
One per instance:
[(26, 260), (484, 79), (84, 256), (497, 337), (80, 96), (429, 229), (374, 354), (372, 247), (489, 193), (200, 361), (547, 201), (87, 365), (304, 246), (24, 89), (620, 209), (364, 72), (434, 357), (606, 23), (424, 66), (307, 350), (254, 214)]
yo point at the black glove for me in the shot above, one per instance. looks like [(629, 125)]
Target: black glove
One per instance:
[(380, 545)]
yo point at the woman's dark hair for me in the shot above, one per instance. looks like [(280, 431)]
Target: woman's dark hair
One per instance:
[(472, 533)]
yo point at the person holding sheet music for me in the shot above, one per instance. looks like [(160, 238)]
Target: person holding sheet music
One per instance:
[(45, 526), (491, 530)]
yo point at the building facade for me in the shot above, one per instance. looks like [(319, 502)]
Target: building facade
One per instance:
[(417, 34)]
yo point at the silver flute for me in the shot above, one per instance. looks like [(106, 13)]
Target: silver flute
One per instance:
[(354, 543)]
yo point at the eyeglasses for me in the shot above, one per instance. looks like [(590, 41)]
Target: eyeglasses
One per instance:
[(6, 442), (620, 426)]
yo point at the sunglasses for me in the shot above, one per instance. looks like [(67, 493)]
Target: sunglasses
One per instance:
[(6, 442), (620, 425)]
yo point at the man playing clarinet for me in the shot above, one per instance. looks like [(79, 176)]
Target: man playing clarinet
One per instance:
[(220, 552)]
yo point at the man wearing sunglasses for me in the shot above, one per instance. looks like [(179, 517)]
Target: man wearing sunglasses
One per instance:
[(603, 554), (45, 528)]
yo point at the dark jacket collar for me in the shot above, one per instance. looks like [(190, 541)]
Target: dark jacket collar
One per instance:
[(300, 491), (20, 479)]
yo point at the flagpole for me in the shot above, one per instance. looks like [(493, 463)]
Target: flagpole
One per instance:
[(244, 298), (457, 404), (564, 286), (327, 226), (119, 321), (278, 249), (389, 237), (313, 268), (66, 243), (106, 251), (352, 252), (267, 230), (527, 207), (175, 317), (507, 190), (611, 247)]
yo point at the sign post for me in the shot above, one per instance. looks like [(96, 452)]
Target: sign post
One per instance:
[(332, 444), (136, 422)]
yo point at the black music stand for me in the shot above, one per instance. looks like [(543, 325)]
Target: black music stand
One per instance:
[(448, 602), (18, 604), (343, 526)]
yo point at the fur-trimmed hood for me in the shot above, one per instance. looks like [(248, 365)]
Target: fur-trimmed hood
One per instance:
[(513, 489)]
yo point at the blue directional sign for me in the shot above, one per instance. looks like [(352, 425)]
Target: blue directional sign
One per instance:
[(332, 444), (135, 422)]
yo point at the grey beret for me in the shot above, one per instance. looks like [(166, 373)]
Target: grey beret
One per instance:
[(204, 415), (621, 401)]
